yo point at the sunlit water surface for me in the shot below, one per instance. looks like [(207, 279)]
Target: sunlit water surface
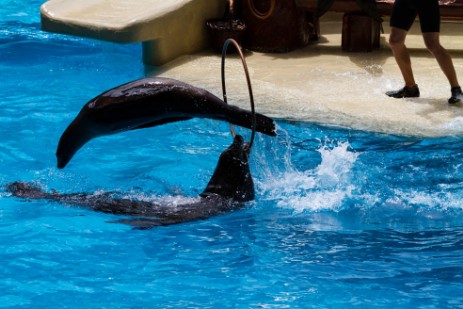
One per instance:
[(342, 218)]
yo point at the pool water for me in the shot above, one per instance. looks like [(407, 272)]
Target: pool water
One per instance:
[(342, 218)]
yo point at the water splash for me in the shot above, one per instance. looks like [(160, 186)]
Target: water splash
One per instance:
[(454, 125), (322, 188), (394, 180)]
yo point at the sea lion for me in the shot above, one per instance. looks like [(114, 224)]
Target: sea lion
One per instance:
[(230, 186), (149, 102)]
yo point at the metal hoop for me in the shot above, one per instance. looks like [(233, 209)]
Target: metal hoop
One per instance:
[(248, 80), (258, 13)]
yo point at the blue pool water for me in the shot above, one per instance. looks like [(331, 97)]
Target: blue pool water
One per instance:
[(342, 218)]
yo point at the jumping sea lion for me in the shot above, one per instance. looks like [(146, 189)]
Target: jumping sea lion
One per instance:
[(146, 103)]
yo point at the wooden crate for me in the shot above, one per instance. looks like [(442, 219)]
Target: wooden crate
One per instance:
[(360, 32)]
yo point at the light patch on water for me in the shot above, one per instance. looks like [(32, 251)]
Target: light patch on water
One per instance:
[(7, 151)]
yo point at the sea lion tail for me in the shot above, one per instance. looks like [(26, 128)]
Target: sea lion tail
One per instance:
[(243, 118)]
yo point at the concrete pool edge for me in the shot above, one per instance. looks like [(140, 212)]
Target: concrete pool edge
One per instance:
[(323, 84)]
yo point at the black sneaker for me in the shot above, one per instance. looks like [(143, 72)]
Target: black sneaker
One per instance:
[(405, 92), (457, 95)]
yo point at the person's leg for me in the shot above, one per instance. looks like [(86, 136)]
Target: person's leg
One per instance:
[(431, 39), (402, 17), (430, 27), (401, 55)]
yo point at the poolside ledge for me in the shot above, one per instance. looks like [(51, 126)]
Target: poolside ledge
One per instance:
[(168, 29)]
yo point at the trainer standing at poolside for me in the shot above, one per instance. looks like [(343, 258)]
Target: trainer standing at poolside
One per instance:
[(403, 15)]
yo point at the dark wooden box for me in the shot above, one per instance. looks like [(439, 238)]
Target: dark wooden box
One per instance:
[(360, 32)]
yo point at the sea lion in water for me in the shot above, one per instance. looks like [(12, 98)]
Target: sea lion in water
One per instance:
[(230, 186), (146, 103)]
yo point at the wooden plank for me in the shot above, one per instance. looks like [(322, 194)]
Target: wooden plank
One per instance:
[(167, 28)]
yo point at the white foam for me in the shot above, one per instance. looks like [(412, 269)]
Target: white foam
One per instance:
[(442, 200), (165, 200)]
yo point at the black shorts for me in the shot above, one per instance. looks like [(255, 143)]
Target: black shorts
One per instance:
[(404, 13)]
